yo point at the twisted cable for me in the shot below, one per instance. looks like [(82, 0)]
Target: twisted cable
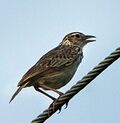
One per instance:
[(64, 99)]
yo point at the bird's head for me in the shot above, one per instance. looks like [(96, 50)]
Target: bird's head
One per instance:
[(78, 39)]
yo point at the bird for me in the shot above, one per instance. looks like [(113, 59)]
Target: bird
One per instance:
[(57, 67)]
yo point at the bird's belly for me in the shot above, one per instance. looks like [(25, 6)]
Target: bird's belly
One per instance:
[(59, 79)]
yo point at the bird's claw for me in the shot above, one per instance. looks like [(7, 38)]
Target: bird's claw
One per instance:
[(52, 106), (66, 104)]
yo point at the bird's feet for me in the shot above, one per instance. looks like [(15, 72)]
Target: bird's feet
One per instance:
[(53, 106)]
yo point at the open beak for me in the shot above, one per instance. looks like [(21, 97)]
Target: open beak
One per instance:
[(90, 38)]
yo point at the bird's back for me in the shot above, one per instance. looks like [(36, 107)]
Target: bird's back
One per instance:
[(61, 57)]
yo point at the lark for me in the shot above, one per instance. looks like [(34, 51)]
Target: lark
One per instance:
[(57, 67)]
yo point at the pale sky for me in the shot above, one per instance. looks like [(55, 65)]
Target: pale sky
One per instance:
[(30, 28)]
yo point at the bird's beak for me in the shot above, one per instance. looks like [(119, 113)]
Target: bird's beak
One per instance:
[(89, 38)]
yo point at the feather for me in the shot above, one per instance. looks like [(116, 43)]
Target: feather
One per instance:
[(17, 91)]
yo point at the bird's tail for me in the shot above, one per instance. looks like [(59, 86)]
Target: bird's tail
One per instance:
[(16, 93)]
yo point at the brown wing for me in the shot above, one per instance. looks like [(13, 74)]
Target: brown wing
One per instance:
[(56, 59)]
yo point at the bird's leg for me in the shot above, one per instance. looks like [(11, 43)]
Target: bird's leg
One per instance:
[(54, 101), (52, 89), (51, 97)]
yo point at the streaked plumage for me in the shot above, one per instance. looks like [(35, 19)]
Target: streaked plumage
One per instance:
[(57, 67)]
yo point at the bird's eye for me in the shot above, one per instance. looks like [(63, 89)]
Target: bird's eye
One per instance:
[(77, 36)]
